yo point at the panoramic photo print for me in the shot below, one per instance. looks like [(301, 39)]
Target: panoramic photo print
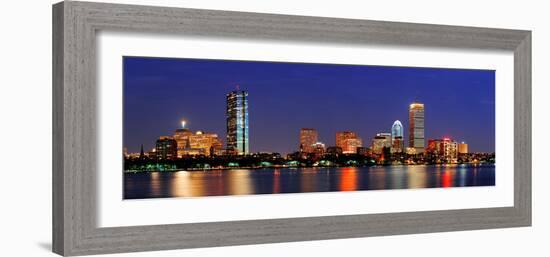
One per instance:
[(204, 127)]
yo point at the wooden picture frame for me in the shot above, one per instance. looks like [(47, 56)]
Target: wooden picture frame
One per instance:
[(75, 25)]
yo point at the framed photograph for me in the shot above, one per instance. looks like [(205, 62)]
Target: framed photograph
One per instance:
[(181, 128)]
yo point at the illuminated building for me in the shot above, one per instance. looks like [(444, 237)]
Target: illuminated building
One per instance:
[(416, 126), (133, 155), (380, 141), (348, 141), (410, 150), (182, 138), (308, 137), (397, 143), (237, 122), (152, 154), (205, 143), (318, 149), (462, 148), (198, 143), (166, 148), (446, 150)]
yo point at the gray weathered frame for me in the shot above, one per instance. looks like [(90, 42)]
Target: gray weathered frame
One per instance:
[(74, 128)]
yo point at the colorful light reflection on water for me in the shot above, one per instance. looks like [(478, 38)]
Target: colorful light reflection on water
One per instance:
[(300, 180)]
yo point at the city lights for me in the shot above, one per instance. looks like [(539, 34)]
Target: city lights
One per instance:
[(386, 148), (289, 127)]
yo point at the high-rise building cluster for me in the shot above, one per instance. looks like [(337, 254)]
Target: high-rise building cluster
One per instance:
[(384, 143), (185, 142)]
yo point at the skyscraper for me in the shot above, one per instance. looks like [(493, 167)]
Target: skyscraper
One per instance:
[(397, 136), (237, 122), (348, 141), (416, 127), (308, 137)]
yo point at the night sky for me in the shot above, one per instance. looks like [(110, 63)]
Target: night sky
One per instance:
[(284, 97)]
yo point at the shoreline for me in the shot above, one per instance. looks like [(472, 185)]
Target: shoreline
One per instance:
[(297, 167)]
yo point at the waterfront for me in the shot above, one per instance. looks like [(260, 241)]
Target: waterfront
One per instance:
[(300, 180)]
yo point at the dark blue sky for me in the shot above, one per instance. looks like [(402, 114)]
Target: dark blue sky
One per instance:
[(284, 97)]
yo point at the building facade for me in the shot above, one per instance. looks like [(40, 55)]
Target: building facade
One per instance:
[(462, 148), (318, 150), (166, 148), (444, 150), (308, 138), (348, 141), (416, 127), (397, 144), (237, 122), (380, 141), (208, 143), (182, 139), (198, 143)]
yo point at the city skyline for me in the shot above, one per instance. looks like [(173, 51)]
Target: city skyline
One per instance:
[(480, 123)]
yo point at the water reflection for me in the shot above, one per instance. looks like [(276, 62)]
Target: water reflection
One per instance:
[(297, 180), (348, 179), (417, 177)]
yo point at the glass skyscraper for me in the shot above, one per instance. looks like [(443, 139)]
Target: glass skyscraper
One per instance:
[(397, 136), (396, 129), (416, 127), (237, 122)]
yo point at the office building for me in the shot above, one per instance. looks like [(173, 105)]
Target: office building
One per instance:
[(416, 127), (348, 141), (462, 148), (205, 143), (397, 144), (182, 139), (198, 143), (445, 150), (237, 122), (380, 141), (166, 148), (318, 150), (308, 138)]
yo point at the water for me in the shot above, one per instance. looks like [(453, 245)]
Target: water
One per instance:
[(300, 180)]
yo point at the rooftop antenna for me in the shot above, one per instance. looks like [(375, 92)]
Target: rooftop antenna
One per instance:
[(238, 87)]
